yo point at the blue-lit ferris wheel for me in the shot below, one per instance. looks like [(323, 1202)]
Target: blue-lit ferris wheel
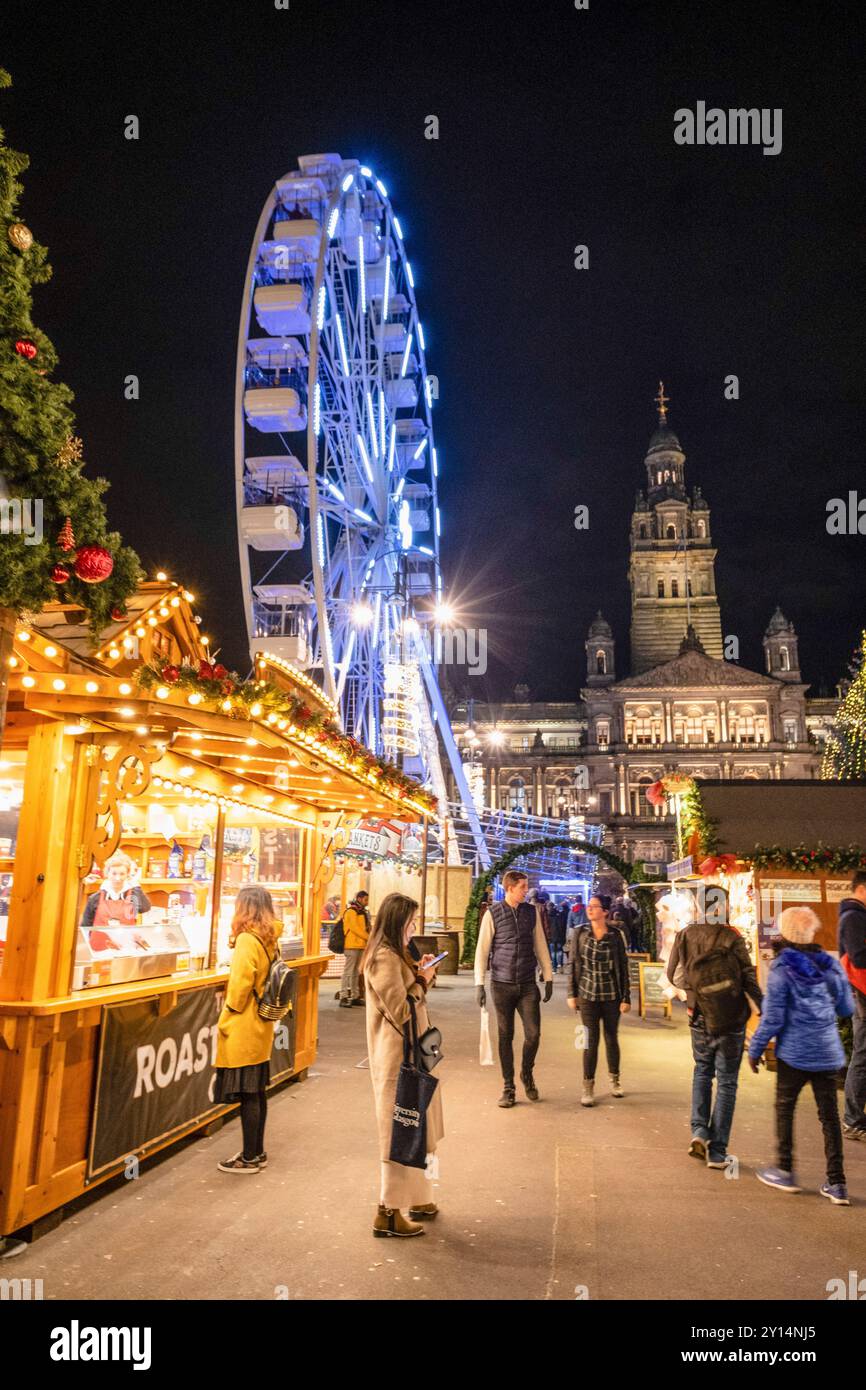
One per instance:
[(335, 461)]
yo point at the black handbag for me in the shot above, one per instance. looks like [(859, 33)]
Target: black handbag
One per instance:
[(415, 1090)]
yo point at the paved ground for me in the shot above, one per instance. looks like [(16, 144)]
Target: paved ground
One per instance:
[(537, 1202)]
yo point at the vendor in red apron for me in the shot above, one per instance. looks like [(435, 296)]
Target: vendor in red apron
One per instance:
[(117, 903)]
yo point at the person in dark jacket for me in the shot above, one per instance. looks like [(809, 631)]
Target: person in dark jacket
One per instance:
[(717, 1056), (806, 992), (599, 986), (852, 953), (512, 940)]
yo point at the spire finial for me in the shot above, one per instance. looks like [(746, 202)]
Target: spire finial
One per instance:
[(661, 401)]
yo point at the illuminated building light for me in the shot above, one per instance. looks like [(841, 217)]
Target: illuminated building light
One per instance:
[(406, 352), (421, 336), (126, 711), (386, 289), (187, 771), (368, 173), (162, 692), (391, 448), (194, 699), (381, 187), (381, 422), (398, 493), (363, 515), (362, 614), (161, 576), (365, 456), (255, 710), (372, 419), (317, 409), (320, 537), (421, 447), (428, 392), (13, 661), (163, 612), (320, 308), (175, 602), (409, 276), (435, 463), (91, 687), (341, 341), (405, 525), (152, 621), (28, 681), (334, 490), (438, 523), (114, 653), (125, 689), (50, 651), (59, 684), (23, 636), (332, 221), (425, 550), (347, 182), (362, 275)]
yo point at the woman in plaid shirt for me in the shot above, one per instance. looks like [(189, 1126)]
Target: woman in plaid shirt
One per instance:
[(599, 986)]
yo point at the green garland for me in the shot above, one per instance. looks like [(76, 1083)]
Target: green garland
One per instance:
[(632, 873), (695, 821), (220, 687), (824, 859)]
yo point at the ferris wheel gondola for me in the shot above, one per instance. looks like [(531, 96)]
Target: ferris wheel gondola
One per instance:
[(336, 466)]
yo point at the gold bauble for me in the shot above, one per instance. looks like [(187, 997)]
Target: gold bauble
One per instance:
[(20, 236)]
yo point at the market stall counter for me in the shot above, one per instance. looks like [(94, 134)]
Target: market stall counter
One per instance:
[(134, 813)]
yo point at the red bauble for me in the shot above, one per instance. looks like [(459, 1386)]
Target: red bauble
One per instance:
[(170, 674), (27, 348), (59, 574), (94, 564), (228, 687), (205, 671), (220, 672), (66, 539)]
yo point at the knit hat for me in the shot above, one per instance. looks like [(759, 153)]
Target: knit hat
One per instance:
[(799, 925)]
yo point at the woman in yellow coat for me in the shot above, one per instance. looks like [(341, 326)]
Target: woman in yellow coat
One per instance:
[(392, 977), (245, 1039)]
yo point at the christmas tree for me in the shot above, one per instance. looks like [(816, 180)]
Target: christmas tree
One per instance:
[(845, 753), (54, 537)]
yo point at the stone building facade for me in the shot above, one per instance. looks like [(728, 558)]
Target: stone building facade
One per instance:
[(682, 707)]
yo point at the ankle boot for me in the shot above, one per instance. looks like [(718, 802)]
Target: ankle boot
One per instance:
[(616, 1085), (423, 1212), (588, 1097), (391, 1222)]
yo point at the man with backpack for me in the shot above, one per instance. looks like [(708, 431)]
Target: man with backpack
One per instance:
[(711, 962), (852, 954), (355, 929)]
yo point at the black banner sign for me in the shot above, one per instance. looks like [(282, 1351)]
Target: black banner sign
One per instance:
[(156, 1075)]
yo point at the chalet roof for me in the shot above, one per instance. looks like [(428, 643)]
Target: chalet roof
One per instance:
[(694, 668), (785, 813)]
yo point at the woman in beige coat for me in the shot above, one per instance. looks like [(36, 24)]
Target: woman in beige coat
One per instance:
[(245, 1039), (391, 977)]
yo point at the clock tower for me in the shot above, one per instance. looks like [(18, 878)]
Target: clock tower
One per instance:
[(672, 565)]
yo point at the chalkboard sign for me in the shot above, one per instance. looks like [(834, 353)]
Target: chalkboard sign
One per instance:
[(653, 979), (634, 960)]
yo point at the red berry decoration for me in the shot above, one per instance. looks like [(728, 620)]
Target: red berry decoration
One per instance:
[(220, 672), (66, 539), (205, 671), (94, 564), (170, 674), (26, 348), (59, 574)]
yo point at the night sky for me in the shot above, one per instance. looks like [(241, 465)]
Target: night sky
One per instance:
[(556, 129)]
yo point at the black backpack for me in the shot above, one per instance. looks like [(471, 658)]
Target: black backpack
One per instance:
[(275, 1000), (337, 938), (716, 977)]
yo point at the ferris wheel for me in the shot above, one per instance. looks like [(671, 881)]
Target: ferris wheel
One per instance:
[(336, 468)]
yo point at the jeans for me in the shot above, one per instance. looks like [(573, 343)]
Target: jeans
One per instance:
[(525, 1000), (557, 954), (593, 1014), (719, 1058), (855, 1082), (789, 1083), (349, 982)]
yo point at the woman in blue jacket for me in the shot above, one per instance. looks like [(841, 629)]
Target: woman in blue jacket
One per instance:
[(806, 992)]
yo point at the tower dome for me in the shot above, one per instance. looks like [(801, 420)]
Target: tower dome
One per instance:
[(600, 652)]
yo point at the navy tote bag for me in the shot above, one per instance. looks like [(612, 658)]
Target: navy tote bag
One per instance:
[(415, 1090)]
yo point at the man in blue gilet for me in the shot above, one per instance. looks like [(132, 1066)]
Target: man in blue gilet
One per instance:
[(512, 937)]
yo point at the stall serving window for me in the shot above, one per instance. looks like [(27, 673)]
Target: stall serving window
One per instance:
[(11, 796), (259, 849)]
